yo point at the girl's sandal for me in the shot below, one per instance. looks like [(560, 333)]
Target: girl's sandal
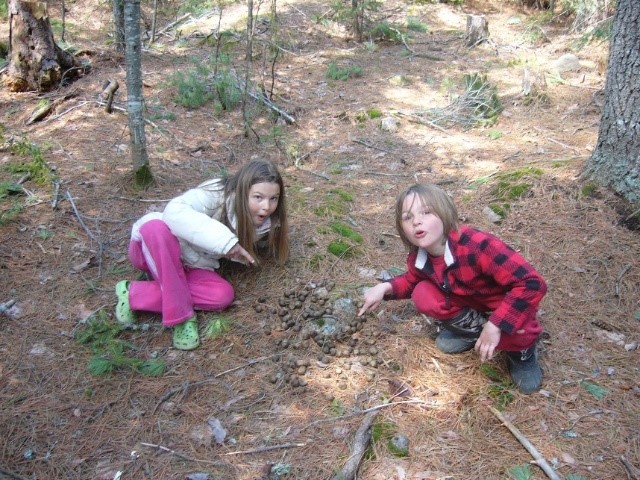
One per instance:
[(185, 335), (124, 314)]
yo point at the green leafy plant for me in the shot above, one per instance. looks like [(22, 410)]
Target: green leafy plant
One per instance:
[(386, 31), (594, 389), (478, 105), (10, 213), (510, 187), (336, 202), (414, 24), (340, 248), (334, 72), (346, 231), (216, 327), (521, 472), (111, 353), (227, 92), (336, 408), (500, 389), (191, 88), (36, 168)]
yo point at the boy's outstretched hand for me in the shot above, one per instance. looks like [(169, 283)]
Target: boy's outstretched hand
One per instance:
[(488, 341), (239, 254), (373, 296)]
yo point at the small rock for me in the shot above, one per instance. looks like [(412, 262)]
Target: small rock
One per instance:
[(491, 215)]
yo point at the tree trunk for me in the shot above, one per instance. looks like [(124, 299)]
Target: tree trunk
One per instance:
[(357, 20), (118, 25), (36, 63), (615, 162), (135, 100)]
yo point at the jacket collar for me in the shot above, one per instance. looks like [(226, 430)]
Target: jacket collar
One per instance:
[(423, 257)]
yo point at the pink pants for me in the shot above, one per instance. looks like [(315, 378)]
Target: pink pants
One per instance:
[(175, 290), (431, 301)]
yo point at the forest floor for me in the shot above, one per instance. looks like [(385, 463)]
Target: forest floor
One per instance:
[(258, 401)]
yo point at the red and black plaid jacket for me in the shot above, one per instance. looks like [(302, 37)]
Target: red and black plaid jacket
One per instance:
[(481, 267)]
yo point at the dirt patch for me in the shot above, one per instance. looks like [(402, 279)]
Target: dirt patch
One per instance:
[(60, 265)]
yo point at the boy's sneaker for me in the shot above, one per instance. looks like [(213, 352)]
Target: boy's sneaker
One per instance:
[(461, 333), (525, 372)]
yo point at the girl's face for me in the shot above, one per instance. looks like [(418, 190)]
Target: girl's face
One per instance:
[(421, 226), (263, 201)]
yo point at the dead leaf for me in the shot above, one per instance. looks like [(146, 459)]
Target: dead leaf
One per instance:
[(90, 262)]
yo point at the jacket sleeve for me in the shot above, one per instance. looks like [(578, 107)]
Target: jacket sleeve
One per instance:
[(404, 284), (191, 218), (523, 285)]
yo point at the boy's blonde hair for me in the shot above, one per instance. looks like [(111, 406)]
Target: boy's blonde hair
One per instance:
[(238, 186), (436, 199)]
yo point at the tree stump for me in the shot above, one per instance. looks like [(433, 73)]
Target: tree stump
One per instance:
[(35, 61), (477, 30)]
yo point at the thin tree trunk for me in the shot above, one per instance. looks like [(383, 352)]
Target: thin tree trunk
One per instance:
[(118, 25), (135, 100)]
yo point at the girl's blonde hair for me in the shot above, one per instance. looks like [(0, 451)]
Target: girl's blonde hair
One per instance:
[(436, 199), (238, 186)]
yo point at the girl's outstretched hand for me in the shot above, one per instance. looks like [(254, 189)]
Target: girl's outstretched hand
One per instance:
[(373, 296), (239, 254), (488, 341)]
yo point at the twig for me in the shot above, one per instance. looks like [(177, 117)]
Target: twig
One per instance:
[(181, 455), (562, 144), (12, 475), (267, 449), (356, 414), (184, 387), (625, 269), (4, 307), (362, 142), (70, 198), (56, 193), (632, 215), (360, 445), (632, 471), (387, 174), (414, 118), (542, 463)]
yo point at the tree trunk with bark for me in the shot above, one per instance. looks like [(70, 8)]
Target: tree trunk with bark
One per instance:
[(615, 162), (118, 25), (135, 100), (36, 63)]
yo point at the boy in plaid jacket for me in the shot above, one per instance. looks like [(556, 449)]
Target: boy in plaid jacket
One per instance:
[(483, 293)]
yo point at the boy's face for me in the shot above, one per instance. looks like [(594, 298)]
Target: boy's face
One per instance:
[(263, 201), (421, 226)]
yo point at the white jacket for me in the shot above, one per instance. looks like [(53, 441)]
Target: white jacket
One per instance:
[(195, 219)]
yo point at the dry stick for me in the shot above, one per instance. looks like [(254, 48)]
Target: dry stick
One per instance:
[(181, 455), (372, 409), (267, 449), (626, 268), (542, 463), (420, 121), (368, 145), (12, 475), (358, 449), (632, 471), (186, 386), (73, 205)]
